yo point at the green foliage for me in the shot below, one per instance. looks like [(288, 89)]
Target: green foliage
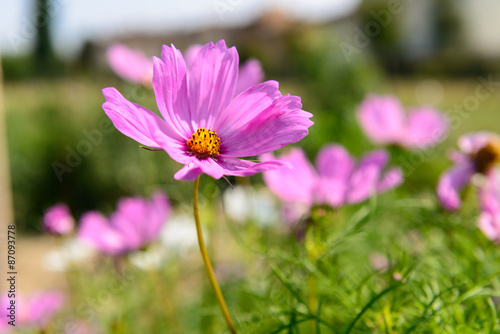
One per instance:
[(440, 275)]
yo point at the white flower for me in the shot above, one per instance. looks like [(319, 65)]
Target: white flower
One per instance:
[(243, 204), (69, 254), (179, 234)]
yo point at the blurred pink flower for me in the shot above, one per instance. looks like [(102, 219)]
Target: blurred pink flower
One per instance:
[(135, 223), (34, 312), (58, 220), (131, 65), (480, 151), (383, 120), (205, 127), (338, 179), (489, 198)]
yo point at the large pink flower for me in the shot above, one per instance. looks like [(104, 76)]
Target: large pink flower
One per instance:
[(338, 179), (480, 152), (204, 126), (135, 223), (131, 65), (383, 120), (33, 312)]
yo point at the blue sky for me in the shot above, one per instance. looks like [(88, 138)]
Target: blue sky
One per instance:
[(77, 20)]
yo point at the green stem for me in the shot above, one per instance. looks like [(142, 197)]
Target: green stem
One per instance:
[(206, 260), (312, 298)]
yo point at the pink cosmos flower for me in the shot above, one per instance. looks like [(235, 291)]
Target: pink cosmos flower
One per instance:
[(58, 220), (131, 65), (204, 126), (480, 151), (134, 224), (33, 312), (383, 120), (338, 179)]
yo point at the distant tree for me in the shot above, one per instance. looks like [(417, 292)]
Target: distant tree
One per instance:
[(43, 46)]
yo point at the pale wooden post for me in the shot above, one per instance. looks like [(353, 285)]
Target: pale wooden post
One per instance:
[(6, 211)]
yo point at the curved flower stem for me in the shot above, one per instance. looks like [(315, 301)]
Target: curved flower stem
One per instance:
[(206, 260)]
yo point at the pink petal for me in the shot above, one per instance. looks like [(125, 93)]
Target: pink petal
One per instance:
[(473, 142), (293, 184), (251, 73), (43, 306), (222, 165), (143, 125), (426, 127), (335, 166), (246, 106), (489, 194), (190, 55), (212, 80), (138, 220), (170, 87), (189, 172), (391, 179), (451, 182), (131, 65), (489, 224), (239, 167), (96, 231), (333, 161), (457, 157), (260, 120), (489, 199), (58, 220), (365, 178), (129, 220), (382, 119)]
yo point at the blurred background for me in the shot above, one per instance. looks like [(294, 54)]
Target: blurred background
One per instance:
[(57, 145)]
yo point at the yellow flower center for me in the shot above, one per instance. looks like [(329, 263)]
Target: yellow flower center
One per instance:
[(204, 143), (487, 156)]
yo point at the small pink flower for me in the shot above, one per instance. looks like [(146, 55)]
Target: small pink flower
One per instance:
[(338, 179), (58, 220), (131, 65), (480, 152), (205, 126), (134, 224), (383, 120), (34, 312)]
